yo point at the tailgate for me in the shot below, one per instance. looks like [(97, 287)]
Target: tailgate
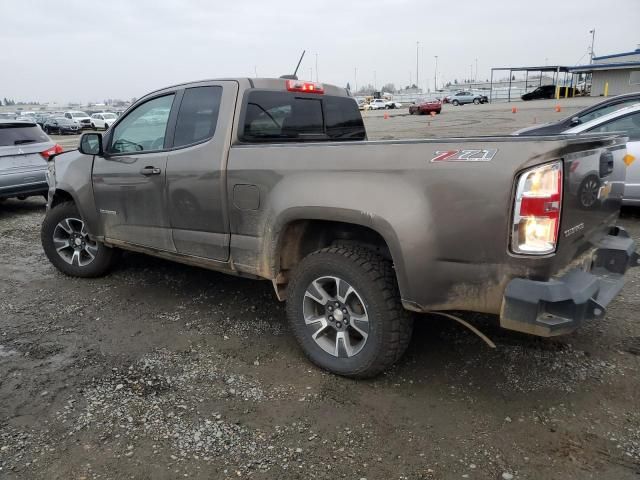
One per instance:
[(594, 176)]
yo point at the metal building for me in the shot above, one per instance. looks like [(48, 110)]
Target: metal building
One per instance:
[(613, 74)]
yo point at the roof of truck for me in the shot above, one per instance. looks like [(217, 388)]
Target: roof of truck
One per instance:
[(260, 83)]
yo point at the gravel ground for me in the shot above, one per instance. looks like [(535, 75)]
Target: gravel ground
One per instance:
[(164, 371)]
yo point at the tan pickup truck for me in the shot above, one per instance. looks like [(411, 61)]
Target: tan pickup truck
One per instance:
[(275, 179)]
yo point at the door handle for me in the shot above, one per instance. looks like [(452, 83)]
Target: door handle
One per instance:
[(147, 171)]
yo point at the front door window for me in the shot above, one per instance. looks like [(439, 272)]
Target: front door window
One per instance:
[(144, 129)]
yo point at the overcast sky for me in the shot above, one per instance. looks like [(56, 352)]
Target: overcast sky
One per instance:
[(89, 51)]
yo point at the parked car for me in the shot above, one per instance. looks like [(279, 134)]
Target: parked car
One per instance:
[(8, 115), (274, 179), (376, 104), (461, 98), (81, 118), (625, 120), (545, 91), (41, 118), (598, 110), (24, 151), (426, 106), (390, 104), (103, 120), (61, 126)]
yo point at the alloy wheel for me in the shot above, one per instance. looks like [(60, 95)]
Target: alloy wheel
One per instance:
[(72, 242), (335, 316)]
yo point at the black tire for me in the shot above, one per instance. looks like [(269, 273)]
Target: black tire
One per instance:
[(455, 102), (106, 126), (476, 101), (104, 258), (93, 127), (390, 325)]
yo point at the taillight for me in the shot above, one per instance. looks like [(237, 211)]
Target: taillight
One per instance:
[(52, 151), (536, 216), (306, 87)]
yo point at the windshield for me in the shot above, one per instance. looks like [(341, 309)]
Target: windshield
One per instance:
[(64, 121), (78, 114), (109, 115), (21, 134)]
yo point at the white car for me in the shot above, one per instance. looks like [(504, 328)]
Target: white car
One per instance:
[(81, 118), (103, 120), (625, 120)]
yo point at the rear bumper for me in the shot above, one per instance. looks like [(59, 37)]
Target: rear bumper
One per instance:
[(562, 304)]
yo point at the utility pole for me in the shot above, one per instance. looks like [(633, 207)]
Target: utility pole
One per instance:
[(417, 66), (593, 39), (375, 81), (316, 67), (435, 76), (355, 77), (476, 77), (255, 70)]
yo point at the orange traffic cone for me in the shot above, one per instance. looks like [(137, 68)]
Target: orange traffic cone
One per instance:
[(386, 116), (514, 110), (558, 108)]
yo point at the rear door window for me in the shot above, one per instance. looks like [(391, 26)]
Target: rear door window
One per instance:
[(198, 115), (21, 134), (283, 116)]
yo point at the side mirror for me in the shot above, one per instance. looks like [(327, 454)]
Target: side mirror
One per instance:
[(575, 121), (91, 144)]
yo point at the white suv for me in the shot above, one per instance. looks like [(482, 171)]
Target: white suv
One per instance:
[(81, 118), (103, 120)]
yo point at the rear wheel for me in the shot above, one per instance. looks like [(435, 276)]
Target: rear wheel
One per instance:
[(68, 246), (344, 308)]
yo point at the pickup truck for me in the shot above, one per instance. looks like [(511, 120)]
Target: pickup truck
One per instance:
[(275, 179)]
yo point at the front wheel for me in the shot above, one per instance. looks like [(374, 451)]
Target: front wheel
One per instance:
[(476, 101), (344, 308), (68, 246), (455, 102)]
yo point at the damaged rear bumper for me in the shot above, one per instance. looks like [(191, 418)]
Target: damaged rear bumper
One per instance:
[(560, 305)]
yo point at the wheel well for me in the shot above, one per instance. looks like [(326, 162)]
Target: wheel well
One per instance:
[(302, 237), (61, 196)]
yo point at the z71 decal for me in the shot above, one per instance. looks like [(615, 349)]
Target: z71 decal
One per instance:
[(485, 155)]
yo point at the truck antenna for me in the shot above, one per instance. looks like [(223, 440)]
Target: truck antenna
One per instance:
[(294, 76)]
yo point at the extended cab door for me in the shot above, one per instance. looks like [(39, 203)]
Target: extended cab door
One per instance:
[(196, 166), (129, 181)]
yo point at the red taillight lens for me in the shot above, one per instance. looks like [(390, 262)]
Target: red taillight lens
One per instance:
[(305, 87), (536, 216), (52, 151)]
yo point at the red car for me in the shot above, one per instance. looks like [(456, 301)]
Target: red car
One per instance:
[(426, 106)]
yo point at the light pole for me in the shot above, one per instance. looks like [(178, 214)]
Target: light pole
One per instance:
[(435, 75), (417, 60), (476, 77), (316, 67), (375, 81), (355, 77), (593, 39)]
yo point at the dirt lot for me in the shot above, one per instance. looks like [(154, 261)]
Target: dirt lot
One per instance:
[(163, 371)]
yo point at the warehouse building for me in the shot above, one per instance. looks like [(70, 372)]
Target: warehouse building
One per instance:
[(613, 74)]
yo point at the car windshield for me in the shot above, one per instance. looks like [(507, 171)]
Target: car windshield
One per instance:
[(109, 115), (78, 114), (21, 134), (63, 121)]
